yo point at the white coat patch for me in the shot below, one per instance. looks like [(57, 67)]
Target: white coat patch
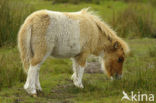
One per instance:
[(64, 34)]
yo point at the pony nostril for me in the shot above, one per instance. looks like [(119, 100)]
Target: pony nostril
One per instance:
[(119, 76), (116, 75)]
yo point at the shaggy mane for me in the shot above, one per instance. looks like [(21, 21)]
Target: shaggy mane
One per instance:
[(105, 28)]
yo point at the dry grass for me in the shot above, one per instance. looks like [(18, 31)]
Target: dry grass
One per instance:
[(12, 14), (135, 21)]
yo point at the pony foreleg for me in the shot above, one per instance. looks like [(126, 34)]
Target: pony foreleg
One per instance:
[(74, 69), (79, 63), (79, 75), (30, 85)]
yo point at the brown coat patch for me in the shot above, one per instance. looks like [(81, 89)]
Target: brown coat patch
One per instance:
[(34, 51)]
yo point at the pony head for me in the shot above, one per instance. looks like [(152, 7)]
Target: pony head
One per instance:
[(114, 48), (114, 59)]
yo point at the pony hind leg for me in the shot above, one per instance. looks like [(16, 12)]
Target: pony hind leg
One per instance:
[(32, 84), (40, 50)]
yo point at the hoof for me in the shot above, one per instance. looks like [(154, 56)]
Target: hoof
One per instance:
[(34, 95), (78, 84), (39, 89), (30, 90), (39, 92)]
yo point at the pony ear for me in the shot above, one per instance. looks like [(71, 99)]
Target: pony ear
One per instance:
[(99, 26), (116, 45)]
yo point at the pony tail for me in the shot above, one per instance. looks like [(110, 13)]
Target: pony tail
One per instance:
[(85, 10), (24, 45)]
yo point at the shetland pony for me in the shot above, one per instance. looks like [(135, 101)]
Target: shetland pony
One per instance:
[(73, 35)]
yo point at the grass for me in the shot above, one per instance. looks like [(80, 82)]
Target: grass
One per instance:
[(11, 17), (139, 75), (13, 70), (135, 21), (105, 9)]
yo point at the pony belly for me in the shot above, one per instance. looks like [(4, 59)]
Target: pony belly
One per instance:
[(67, 46), (66, 49)]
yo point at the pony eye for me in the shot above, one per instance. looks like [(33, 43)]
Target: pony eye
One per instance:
[(120, 60)]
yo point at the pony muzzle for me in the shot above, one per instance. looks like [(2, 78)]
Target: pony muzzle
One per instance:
[(116, 76)]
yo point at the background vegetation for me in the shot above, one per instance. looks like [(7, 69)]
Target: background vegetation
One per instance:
[(134, 20), (12, 15)]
